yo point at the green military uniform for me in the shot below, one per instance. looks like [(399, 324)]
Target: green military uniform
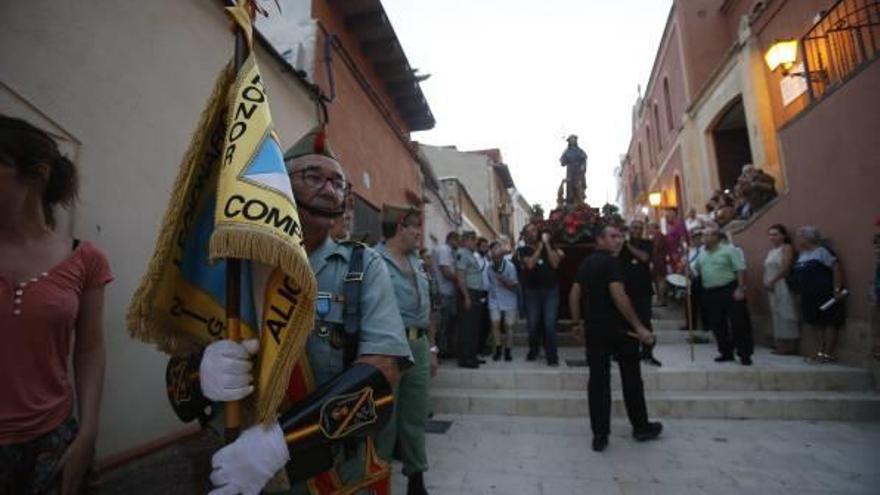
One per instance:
[(381, 330), (405, 433), (381, 327), (466, 261), (469, 329)]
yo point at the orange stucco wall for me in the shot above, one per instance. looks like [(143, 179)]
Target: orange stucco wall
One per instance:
[(358, 132)]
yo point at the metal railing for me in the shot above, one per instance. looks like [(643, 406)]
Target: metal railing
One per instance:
[(843, 40)]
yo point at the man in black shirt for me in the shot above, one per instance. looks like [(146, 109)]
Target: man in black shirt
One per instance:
[(540, 291), (612, 328), (635, 260)]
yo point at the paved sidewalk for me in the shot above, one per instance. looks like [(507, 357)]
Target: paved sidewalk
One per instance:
[(531, 456), (488, 455)]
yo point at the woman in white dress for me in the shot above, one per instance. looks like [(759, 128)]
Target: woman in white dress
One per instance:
[(782, 306)]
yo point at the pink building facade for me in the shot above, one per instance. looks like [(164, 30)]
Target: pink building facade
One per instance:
[(712, 105)]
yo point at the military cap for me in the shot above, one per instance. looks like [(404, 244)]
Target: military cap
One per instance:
[(398, 214), (313, 143)]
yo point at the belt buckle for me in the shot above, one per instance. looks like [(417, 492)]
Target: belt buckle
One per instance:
[(323, 331)]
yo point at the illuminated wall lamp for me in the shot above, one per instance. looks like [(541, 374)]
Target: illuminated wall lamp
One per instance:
[(783, 54), (655, 198)]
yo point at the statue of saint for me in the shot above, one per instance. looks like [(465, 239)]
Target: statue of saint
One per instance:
[(574, 159)]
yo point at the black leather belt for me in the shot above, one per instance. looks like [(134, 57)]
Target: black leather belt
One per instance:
[(413, 333), (730, 286)]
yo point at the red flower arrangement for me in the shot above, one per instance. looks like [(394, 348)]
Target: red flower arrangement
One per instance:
[(571, 224)]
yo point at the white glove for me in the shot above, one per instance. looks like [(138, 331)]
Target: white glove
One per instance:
[(225, 370), (248, 463)]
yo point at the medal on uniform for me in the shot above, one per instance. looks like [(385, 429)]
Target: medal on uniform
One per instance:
[(322, 304)]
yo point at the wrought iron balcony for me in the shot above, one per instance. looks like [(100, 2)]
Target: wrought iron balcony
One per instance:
[(843, 40)]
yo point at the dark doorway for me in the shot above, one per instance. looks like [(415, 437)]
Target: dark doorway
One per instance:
[(731, 138), (679, 197)]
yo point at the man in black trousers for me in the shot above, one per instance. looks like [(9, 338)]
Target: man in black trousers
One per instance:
[(612, 327), (722, 270), (635, 261)]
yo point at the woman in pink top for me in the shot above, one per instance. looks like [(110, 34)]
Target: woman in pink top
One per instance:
[(51, 298)]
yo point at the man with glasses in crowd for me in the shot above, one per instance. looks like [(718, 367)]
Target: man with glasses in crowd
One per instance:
[(357, 344)]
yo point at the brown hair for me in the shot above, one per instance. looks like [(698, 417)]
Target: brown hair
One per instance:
[(24, 148), (786, 238)]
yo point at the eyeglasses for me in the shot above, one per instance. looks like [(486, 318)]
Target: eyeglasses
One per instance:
[(315, 180)]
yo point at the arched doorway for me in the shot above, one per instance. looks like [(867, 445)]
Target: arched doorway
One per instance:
[(679, 197), (731, 138)]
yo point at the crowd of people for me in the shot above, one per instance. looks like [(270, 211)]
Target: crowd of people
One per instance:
[(408, 312), (484, 287), (802, 276), (754, 188)]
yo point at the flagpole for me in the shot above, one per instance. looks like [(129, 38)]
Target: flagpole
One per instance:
[(232, 416)]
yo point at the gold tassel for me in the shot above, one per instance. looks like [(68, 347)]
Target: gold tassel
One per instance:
[(237, 241), (140, 319), (291, 350), (145, 324)]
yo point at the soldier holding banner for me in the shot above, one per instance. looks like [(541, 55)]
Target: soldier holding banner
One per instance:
[(319, 314), (318, 179), (404, 437)]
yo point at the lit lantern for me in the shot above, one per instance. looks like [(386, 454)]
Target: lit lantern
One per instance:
[(655, 198), (783, 53)]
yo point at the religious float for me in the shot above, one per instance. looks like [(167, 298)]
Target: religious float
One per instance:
[(571, 223)]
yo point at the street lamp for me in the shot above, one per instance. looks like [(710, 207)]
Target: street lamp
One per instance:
[(782, 53), (655, 198)]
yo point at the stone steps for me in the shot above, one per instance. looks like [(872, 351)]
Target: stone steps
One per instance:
[(666, 330), (758, 378), (792, 405), (775, 387), (664, 336)]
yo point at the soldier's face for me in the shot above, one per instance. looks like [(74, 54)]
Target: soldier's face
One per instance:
[(315, 180), (412, 235)]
